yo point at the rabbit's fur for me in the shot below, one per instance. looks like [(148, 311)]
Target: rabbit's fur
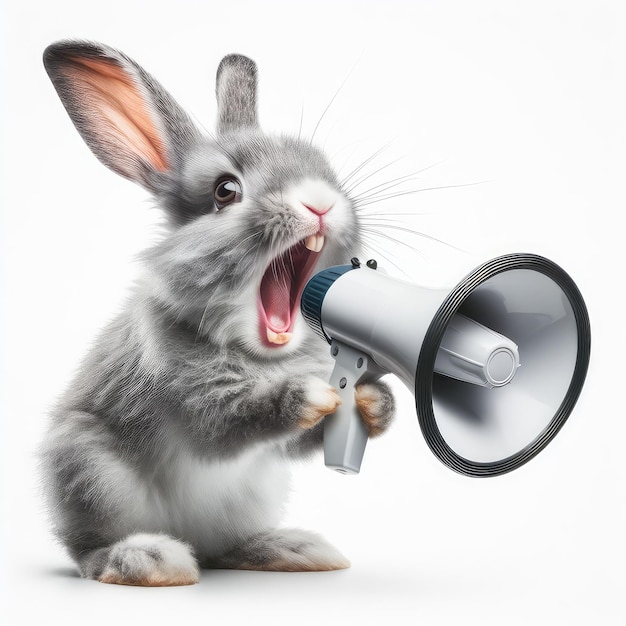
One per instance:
[(170, 449)]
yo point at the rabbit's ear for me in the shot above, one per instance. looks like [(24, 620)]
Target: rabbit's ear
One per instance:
[(127, 119), (236, 93)]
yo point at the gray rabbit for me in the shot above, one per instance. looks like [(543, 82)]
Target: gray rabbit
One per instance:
[(170, 450)]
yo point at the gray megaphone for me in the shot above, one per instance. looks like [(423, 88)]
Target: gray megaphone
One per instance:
[(496, 364)]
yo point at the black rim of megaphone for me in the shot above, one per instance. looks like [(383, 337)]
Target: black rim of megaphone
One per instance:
[(432, 340)]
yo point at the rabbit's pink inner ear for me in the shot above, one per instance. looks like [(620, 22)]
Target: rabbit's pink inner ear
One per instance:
[(122, 112)]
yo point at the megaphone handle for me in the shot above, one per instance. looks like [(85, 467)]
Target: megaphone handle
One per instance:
[(345, 434)]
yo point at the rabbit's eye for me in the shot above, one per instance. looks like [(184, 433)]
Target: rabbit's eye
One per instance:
[(226, 191)]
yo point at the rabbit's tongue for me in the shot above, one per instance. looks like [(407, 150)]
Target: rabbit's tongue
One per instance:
[(281, 287), (276, 298)]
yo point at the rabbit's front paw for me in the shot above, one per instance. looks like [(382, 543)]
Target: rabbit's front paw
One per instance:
[(376, 406), (321, 399)]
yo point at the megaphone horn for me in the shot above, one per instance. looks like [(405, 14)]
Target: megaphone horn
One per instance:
[(496, 364)]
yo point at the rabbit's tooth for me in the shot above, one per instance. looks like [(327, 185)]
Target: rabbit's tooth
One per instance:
[(314, 243), (277, 338)]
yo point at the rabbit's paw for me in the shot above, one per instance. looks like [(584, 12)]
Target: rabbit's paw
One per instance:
[(286, 550), (151, 561), (376, 406), (321, 399)]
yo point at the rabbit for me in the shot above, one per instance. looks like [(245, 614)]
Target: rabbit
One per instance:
[(170, 450)]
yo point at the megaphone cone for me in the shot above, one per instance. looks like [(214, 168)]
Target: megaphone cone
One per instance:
[(496, 364)]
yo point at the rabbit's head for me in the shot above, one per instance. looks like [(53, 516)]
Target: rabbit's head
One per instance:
[(250, 217)]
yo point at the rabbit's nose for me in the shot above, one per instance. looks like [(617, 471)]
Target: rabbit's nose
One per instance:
[(319, 209)]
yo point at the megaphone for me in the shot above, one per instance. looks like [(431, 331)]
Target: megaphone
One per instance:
[(496, 364)]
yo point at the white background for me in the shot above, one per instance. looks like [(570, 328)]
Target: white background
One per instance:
[(525, 98)]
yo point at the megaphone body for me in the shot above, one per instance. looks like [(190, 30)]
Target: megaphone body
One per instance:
[(496, 363)]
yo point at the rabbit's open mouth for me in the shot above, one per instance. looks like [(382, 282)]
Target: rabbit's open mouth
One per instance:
[(281, 288)]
